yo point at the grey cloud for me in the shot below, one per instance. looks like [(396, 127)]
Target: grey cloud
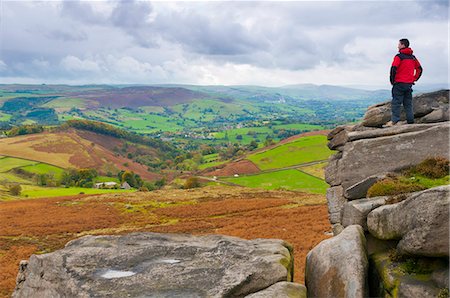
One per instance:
[(131, 14), (292, 36), (206, 34), (67, 35), (82, 11)]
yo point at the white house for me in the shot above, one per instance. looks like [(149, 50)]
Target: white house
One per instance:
[(108, 185)]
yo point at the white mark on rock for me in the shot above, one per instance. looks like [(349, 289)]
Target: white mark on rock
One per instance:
[(170, 261), (117, 274)]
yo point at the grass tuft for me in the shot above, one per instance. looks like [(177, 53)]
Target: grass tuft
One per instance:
[(393, 186), (434, 168), (429, 173)]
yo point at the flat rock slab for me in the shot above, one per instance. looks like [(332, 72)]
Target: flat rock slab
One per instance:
[(156, 265), (367, 157)]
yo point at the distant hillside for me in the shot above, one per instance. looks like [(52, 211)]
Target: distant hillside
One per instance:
[(139, 96), (75, 149), (294, 92)]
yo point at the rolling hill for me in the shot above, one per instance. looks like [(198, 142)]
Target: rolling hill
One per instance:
[(73, 148)]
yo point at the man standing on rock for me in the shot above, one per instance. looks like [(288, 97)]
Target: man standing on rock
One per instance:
[(405, 71)]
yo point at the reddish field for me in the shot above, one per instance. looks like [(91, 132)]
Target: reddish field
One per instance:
[(243, 166), (44, 225)]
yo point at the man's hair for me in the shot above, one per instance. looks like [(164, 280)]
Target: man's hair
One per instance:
[(404, 42)]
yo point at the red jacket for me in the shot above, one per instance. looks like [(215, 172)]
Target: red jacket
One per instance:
[(405, 67)]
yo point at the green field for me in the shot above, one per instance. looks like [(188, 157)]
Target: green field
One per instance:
[(12, 178), (210, 164), (40, 192), (9, 163), (136, 121), (286, 179), (4, 117), (66, 103), (99, 179), (42, 168), (210, 160), (300, 151), (249, 134), (209, 109), (231, 134)]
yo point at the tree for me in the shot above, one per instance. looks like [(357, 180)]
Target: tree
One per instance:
[(253, 145), (191, 182), (15, 189), (128, 177), (268, 142)]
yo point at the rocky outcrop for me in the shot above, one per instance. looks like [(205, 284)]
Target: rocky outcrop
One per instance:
[(407, 235), (428, 108), (158, 265), (337, 267), (421, 222), (368, 155)]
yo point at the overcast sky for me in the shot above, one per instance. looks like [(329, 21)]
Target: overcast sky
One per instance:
[(229, 43)]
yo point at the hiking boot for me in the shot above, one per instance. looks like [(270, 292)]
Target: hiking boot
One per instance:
[(390, 124)]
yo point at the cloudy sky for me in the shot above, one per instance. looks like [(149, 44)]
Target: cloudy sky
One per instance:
[(230, 43)]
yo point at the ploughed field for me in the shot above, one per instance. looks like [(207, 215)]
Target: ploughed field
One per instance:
[(44, 225)]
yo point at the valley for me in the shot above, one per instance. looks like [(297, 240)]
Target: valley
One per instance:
[(199, 160)]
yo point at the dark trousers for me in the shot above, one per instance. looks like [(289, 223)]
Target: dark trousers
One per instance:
[(402, 94)]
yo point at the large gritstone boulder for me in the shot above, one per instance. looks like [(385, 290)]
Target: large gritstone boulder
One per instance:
[(157, 265), (421, 222), (429, 107), (337, 267), (372, 156)]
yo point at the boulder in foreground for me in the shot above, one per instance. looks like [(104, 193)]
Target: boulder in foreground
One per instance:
[(338, 267), (161, 265)]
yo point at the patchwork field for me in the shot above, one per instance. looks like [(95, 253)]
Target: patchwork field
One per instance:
[(300, 151), (28, 184), (68, 149), (248, 134), (301, 219)]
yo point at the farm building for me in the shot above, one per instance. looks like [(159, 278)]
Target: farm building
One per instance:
[(125, 185), (110, 184)]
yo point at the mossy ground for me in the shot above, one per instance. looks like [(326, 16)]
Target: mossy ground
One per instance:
[(392, 269), (429, 173)]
